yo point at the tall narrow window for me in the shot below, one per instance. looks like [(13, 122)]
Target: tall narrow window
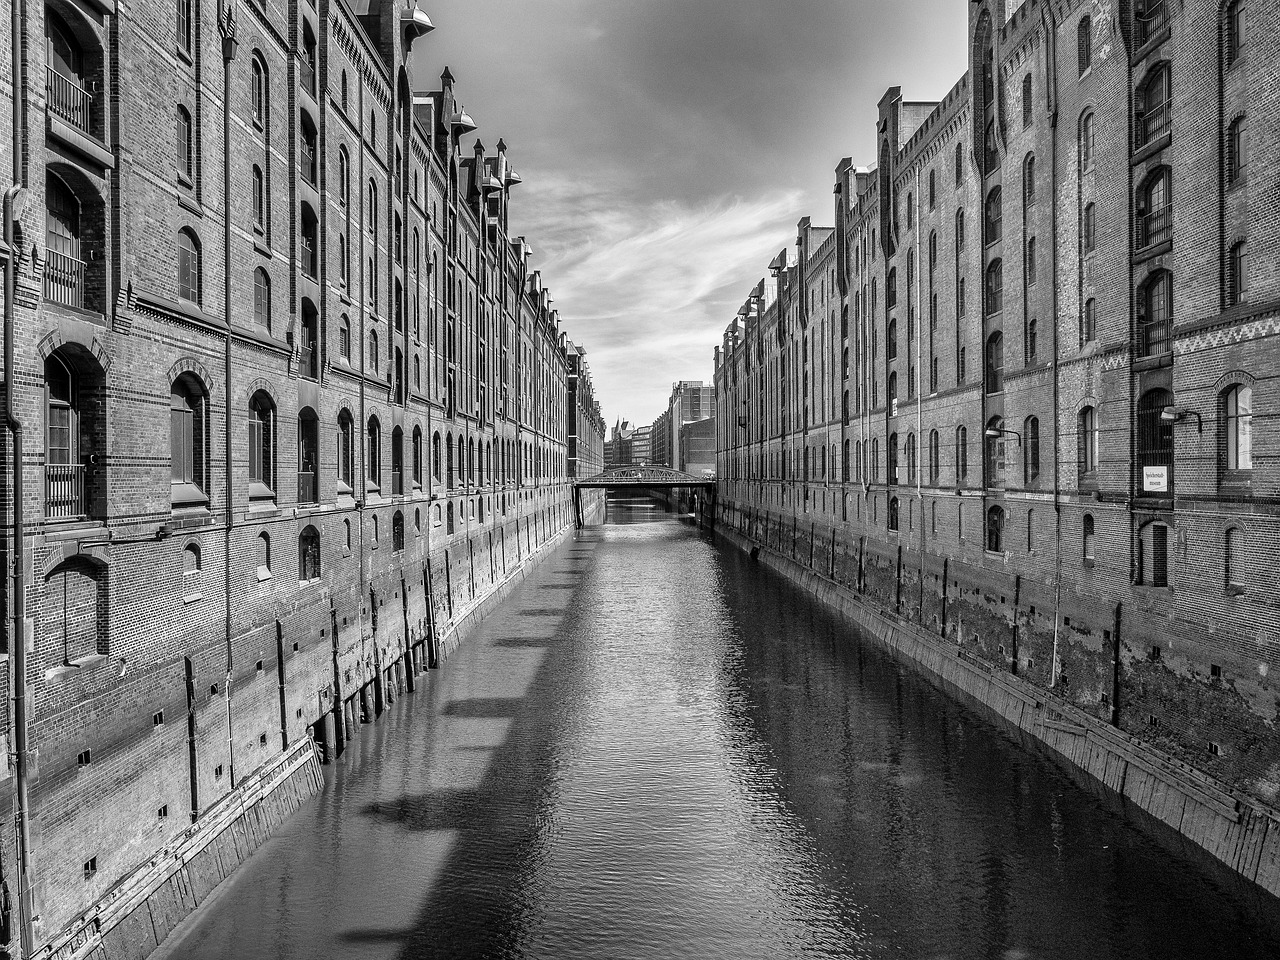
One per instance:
[(995, 529), (1090, 229), (188, 428), (344, 338), (185, 24), (1233, 565), (1086, 141), (185, 139), (259, 201), (1237, 427), (1030, 346), (1238, 274), (1026, 101), (1084, 44), (308, 456), (346, 450), (64, 271), (935, 456), (344, 177), (258, 92), (373, 458), (1031, 261), (1087, 440), (262, 299), (1089, 321), (995, 363), (262, 446), (1155, 314), (994, 215), (959, 163), (962, 454), (1152, 109), (995, 287), (1235, 31), (1237, 150), (995, 451), (1155, 212), (309, 555), (189, 266), (1030, 450), (1087, 536), (1153, 555), (1029, 181)]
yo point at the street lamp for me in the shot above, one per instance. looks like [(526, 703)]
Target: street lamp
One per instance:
[(994, 432), (1173, 414)]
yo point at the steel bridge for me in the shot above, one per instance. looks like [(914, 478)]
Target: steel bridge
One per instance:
[(640, 477)]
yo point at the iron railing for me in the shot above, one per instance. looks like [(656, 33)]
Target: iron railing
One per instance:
[(68, 100), (1155, 123), (1150, 22), (1155, 338), (1155, 227), (307, 488), (63, 279), (64, 491), (308, 365)]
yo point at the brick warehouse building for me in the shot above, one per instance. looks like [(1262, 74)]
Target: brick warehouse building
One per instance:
[(1021, 394), (293, 404)]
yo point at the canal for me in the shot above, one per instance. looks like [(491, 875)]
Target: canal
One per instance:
[(656, 749)]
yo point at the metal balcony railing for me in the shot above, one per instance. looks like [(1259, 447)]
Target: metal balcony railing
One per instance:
[(63, 279), (308, 362), (307, 76), (1150, 22), (309, 161), (1155, 338), (1155, 123), (68, 100), (307, 248), (307, 488), (64, 491), (1155, 227)]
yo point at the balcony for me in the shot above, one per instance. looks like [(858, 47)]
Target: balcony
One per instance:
[(307, 77), (1154, 124), (310, 263), (1155, 227), (307, 488), (64, 279), (69, 101), (309, 362), (64, 491), (397, 483), (1155, 338), (1149, 23)]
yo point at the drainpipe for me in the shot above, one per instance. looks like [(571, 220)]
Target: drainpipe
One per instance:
[(18, 637), (227, 26), (920, 319)]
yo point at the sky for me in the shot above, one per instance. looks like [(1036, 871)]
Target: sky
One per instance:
[(669, 147)]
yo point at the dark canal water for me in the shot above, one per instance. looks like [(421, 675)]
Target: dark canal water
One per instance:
[(655, 749)]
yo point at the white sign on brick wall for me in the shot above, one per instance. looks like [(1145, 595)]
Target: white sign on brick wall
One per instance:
[(1155, 479)]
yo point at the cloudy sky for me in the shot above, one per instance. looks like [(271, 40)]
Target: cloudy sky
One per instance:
[(668, 148)]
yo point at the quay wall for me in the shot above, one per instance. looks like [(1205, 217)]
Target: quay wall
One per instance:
[(941, 632)]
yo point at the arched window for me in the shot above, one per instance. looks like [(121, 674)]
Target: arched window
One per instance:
[(343, 91), (264, 555), (262, 446), (935, 457), (397, 461), (191, 560), (1086, 140), (189, 275), (1152, 112), (1236, 427), (373, 538), (1030, 450), (1238, 273), (1030, 265), (449, 473), (449, 515), (308, 456), (1089, 321), (891, 339), (1089, 231), (1154, 209), (308, 70), (1153, 554), (995, 363), (994, 212), (417, 457), (1084, 44), (397, 531), (1237, 150), (995, 451), (959, 163), (995, 286), (185, 145), (346, 450), (1235, 31), (1155, 314), (891, 288), (188, 438), (995, 529), (259, 201), (373, 351), (1029, 181), (1233, 560), (258, 91), (1031, 530), (309, 242), (1087, 441), (1026, 101), (309, 555), (962, 454), (373, 458), (344, 176), (64, 272), (435, 457), (373, 207), (991, 151), (1030, 346), (933, 186), (262, 299), (1086, 539), (911, 458), (893, 392), (344, 338)]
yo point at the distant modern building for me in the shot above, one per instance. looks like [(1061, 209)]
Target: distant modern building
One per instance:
[(690, 400), (660, 441), (698, 447), (640, 445)]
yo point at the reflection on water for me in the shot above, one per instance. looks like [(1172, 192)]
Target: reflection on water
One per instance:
[(654, 749)]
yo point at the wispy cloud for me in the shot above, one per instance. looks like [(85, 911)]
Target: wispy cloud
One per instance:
[(648, 288)]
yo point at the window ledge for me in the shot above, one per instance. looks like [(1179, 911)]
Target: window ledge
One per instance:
[(84, 143), (1142, 254), (65, 671), (1151, 148), (192, 598), (187, 495), (1151, 44), (1235, 590), (262, 246), (263, 573), (191, 204)]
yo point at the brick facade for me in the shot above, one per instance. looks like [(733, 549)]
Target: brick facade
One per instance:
[(294, 402), (1092, 515)]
